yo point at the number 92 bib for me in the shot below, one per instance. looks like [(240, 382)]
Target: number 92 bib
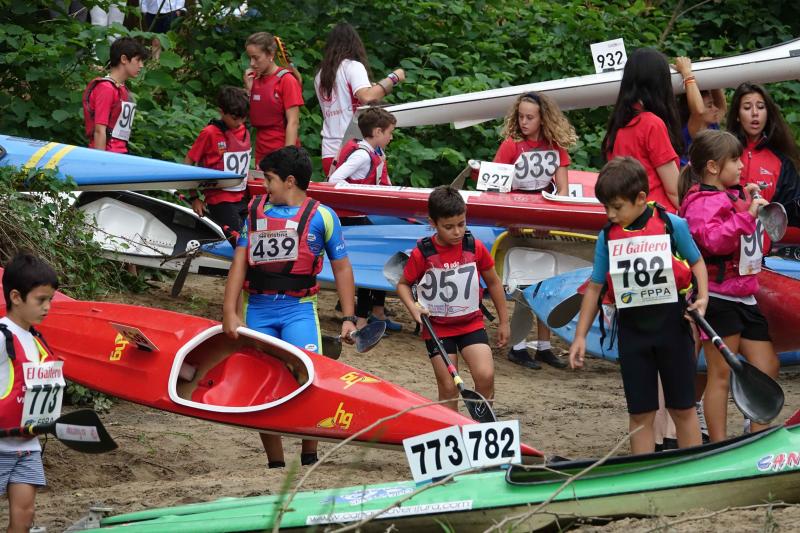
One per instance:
[(272, 246), (450, 292), (641, 271)]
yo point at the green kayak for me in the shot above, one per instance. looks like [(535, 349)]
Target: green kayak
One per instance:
[(747, 470)]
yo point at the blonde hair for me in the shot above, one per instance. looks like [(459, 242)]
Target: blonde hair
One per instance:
[(264, 40), (555, 128)]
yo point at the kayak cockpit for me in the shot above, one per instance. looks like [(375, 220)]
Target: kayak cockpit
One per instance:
[(255, 372)]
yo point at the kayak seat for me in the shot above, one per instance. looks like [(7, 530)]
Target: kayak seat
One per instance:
[(246, 377)]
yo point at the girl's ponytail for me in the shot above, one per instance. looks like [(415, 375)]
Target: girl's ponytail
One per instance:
[(686, 179)]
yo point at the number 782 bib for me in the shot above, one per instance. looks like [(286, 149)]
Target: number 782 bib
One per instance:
[(641, 271)]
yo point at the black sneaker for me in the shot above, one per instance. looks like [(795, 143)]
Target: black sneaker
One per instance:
[(522, 357), (546, 356)]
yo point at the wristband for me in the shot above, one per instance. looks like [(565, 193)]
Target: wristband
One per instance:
[(394, 78), (350, 318), (689, 79), (386, 87)]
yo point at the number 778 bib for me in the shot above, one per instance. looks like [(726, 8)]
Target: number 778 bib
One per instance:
[(641, 271)]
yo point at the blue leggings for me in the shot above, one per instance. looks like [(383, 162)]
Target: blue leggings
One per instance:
[(289, 319)]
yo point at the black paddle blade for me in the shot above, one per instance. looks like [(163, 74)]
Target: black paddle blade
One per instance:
[(180, 279), (80, 430), (563, 313), (369, 336), (331, 347), (759, 397), (521, 323), (478, 407), (394, 266)]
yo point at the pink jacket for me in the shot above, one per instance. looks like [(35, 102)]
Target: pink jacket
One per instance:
[(717, 230)]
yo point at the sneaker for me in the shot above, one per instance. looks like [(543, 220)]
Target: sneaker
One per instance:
[(307, 459), (547, 356), (522, 357), (390, 325), (670, 444), (705, 437), (701, 417)]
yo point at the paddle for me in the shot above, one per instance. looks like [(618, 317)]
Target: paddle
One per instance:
[(365, 338), (192, 251), (521, 319), (394, 266), (773, 218), (80, 430), (758, 396), (563, 313)]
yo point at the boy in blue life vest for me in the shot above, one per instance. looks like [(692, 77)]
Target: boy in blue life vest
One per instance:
[(646, 261), (224, 144), (363, 162), (28, 286), (277, 259)]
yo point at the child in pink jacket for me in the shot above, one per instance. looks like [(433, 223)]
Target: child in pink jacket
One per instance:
[(722, 218)]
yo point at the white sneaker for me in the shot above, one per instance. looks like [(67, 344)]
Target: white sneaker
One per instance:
[(701, 417), (746, 425)]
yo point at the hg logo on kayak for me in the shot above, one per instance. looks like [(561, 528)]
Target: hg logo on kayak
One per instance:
[(351, 378), (779, 462), (120, 343), (340, 419)]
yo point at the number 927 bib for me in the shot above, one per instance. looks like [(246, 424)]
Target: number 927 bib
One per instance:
[(641, 271), (271, 246)]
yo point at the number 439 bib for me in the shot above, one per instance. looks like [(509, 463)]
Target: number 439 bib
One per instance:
[(641, 271), (271, 246)]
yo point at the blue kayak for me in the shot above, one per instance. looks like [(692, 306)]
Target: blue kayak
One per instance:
[(787, 267), (368, 248), (549, 293), (99, 170)]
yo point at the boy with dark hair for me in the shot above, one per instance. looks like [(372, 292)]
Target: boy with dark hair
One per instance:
[(448, 267), (224, 145), (364, 162), (646, 260), (277, 259), (28, 286), (107, 106)]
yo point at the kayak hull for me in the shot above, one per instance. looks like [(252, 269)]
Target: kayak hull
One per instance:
[(743, 471)]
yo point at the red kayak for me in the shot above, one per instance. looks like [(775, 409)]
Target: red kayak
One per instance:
[(186, 365)]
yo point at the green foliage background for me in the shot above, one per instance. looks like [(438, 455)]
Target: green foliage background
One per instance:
[(447, 47)]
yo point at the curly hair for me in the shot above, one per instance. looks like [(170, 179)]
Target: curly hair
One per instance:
[(343, 43), (555, 128)]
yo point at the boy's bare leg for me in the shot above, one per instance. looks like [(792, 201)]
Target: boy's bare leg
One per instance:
[(687, 427), (273, 447), (21, 498), (309, 446), (481, 365), (643, 441), (444, 381)]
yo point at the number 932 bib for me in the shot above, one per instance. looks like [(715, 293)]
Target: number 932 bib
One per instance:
[(641, 271)]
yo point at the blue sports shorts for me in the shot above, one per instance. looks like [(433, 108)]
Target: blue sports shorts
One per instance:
[(290, 319)]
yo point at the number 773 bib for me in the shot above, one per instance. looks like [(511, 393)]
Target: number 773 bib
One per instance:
[(44, 392), (641, 271)]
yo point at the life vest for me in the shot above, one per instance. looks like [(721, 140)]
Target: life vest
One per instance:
[(236, 157), (377, 175), (279, 258), (12, 381), (452, 294), (655, 225), (124, 121), (724, 267), (761, 166), (266, 107)]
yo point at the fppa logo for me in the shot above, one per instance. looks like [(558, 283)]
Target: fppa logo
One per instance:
[(626, 297), (779, 462)]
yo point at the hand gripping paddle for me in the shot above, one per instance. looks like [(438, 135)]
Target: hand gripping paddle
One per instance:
[(80, 430), (366, 339)]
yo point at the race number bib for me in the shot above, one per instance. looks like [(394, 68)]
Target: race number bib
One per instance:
[(122, 128), (495, 176), (641, 271), (751, 251), (535, 170), (450, 292), (44, 392), (272, 246), (237, 162)]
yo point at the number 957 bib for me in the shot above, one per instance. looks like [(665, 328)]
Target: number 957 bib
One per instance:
[(641, 271), (271, 246)]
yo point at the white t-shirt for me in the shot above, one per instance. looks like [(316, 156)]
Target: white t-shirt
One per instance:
[(151, 6), (337, 111), (356, 166), (15, 444)]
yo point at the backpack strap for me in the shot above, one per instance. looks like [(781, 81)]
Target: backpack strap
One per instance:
[(426, 246), (91, 88), (468, 242), (301, 228), (9, 339)]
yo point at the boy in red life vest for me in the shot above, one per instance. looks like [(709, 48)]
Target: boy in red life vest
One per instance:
[(448, 268), (224, 145), (107, 106), (646, 259), (362, 161), (28, 286), (277, 259)]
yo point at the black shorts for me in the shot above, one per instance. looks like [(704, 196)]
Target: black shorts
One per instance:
[(730, 318), (644, 355), (458, 343), (229, 216)]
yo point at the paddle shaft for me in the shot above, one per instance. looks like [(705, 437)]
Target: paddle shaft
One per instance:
[(726, 352), (26, 431), (426, 322)]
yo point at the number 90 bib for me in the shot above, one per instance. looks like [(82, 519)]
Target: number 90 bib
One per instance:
[(641, 271), (272, 246), (450, 292)]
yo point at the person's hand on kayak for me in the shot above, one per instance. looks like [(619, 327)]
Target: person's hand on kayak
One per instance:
[(348, 328), (230, 323), (577, 351), (503, 334)]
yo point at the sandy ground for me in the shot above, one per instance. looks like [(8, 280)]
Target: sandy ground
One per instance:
[(166, 459)]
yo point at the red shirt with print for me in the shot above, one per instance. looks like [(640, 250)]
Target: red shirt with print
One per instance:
[(207, 151), (105, 102), (415, 270)]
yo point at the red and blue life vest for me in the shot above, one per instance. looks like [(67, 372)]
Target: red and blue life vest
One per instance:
[(12, 385)]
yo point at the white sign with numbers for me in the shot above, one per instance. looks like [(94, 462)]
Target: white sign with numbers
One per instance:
[(122, 128), (495, 176), (751, 251), (641, 270), (451, 450), (44, 392), (609, 55)]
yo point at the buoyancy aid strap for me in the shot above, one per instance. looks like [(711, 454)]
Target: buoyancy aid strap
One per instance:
[(309, 207), (260, 281), (41, 344), (256, 207), (9, 340)]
